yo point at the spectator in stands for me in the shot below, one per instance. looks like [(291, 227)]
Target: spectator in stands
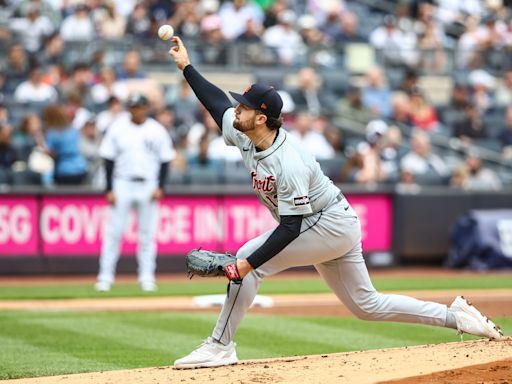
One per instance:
[(482, 88), (409, 81), (80, 81), (505, 136), (455, 111), (504, 90), (206, 126), (423, 115), (377, 95), (131, 67), (28, 135), (397, 47), (53, 52), (105, 118), (75, 108), (468, 55), (351, 107), (285, 39), (422, 163), (78, 26), (183, 101), (108, 87), (472, 127), (139, 22), (234, 15), (401, 109), (307, 95), (33, 28), (492, 37), (391, 151), (481, 178), (432, 57), (4, 114), (322, 10), (63, 145), (313, 142), (8, 154), (214, 50), (407, 183), (349, 30), (48, 9), (329, 22), (460, 178), (202, 160), (17, 67), (252, 34), (363, 166), (34, 90), (311, 35), (110, 25), (89, 146)]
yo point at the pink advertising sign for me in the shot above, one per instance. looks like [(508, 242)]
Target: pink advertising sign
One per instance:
[(74, 225), (18, 226), (375, 214)]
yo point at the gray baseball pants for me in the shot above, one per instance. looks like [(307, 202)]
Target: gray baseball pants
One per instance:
[(331, 241)]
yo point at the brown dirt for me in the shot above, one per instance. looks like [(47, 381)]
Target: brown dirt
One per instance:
[(354, 367)]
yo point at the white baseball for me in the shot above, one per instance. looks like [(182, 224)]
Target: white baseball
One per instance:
[(165, 32)]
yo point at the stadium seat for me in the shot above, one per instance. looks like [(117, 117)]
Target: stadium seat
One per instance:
[(5, 176), (200, 175), (332, 167), (26, 178)]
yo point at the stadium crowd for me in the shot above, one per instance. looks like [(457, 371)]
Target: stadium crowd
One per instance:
[(375, 127)]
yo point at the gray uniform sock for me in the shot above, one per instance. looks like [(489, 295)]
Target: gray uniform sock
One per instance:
[(451, 322)]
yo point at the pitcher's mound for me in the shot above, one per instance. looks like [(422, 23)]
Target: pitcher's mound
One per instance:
[(457, 362)]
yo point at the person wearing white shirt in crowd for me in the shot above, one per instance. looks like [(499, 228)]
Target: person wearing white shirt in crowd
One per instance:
[(234, 16), (284, 38), (34, 28), (78, 26), (397, 46), (420, 160), (114, 111), (313, 142), (34, 90)]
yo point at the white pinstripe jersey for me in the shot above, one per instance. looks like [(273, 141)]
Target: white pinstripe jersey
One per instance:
[(286, 179)]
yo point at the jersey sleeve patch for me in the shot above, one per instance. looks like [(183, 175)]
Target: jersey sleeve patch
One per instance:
[(299, 201)]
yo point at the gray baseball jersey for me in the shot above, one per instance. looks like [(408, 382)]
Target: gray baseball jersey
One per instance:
[(302, 189)]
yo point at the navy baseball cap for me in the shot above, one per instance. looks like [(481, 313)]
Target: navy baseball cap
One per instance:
[(262, 97), (137, 100)]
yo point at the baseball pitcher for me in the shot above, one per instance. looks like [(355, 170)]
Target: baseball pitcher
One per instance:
[(317, 226)]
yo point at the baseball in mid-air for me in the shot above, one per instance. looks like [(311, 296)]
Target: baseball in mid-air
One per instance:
[(165, 32)]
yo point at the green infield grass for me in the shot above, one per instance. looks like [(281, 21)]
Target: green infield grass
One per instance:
[(43, 343), (200, 286)]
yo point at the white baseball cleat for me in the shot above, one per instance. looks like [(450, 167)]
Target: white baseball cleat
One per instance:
[(102, 286), (470, 320), (148, 287), (209, 354)]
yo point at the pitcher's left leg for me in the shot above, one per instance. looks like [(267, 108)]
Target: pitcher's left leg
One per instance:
[(348, 278)]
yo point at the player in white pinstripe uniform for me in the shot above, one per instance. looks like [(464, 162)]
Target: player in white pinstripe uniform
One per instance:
[(137, 150)]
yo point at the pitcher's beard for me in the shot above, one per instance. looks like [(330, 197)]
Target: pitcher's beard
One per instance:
[(242, 126)]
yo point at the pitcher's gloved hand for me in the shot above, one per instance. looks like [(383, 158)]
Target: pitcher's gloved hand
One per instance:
[(206, 263)]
